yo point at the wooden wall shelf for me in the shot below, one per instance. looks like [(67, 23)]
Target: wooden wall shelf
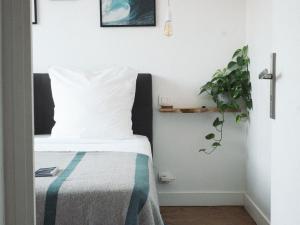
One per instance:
[(192, 110)]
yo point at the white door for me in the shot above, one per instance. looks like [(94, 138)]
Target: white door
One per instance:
[(285, 199)]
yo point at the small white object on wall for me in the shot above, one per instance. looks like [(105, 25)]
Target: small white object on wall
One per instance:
[(166, 177), (164, 101)]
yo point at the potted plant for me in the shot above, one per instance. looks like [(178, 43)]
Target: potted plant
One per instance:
[(230, 88)]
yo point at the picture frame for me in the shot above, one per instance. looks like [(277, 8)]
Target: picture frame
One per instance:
[(34, 18), (128, 13)]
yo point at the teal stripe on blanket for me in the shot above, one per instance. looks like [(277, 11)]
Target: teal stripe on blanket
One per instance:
[(140, 191), (52, 192)]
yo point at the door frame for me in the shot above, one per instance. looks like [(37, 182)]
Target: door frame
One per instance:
[(17, 110)]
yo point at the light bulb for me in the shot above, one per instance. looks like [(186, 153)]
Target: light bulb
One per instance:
[(168, 30)]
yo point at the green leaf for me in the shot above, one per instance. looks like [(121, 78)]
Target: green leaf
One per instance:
[(231, 64), (217, 122), (244, 115), (231, 69), (216, 144), (245, 50), (202, 91), (249, 104), (236, 94), (240, 61), (237, 52), (240, 117), (222, 107), (210, 136), (220, 73), (216, 79), (248, 61)]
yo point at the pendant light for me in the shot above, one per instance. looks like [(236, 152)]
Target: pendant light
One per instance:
[(168, 28)]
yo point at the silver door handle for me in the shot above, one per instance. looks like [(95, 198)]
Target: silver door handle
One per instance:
[(266, 75)]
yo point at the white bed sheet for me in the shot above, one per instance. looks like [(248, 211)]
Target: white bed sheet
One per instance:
[(137, 144)]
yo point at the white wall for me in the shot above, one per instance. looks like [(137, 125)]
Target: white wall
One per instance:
[(206, 34), (259, 38)]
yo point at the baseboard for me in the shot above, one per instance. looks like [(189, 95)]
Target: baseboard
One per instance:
[(255, 212), (201, 198)]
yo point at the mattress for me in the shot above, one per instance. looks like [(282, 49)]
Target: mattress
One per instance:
[(137, 144)]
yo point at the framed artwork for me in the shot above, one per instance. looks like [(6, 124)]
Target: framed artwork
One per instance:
[(34, 11), (127, 13)]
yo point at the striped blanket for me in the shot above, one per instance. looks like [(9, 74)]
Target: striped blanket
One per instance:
[(97, 188)]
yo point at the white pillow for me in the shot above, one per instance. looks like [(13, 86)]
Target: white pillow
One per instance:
[(93, 105)]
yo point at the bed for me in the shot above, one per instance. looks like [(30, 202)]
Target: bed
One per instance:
[(102, 182)]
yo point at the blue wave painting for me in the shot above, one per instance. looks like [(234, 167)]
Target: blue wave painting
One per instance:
[(127, 12)]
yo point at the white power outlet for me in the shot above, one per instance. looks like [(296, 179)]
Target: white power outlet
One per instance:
[(166, 177)]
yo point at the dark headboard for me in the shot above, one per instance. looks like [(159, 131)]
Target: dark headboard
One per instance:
[(142, 112)]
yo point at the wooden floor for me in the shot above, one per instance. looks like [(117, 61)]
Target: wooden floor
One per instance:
[(206, 216)]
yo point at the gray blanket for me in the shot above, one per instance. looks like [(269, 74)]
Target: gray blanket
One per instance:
[(97, 188)]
